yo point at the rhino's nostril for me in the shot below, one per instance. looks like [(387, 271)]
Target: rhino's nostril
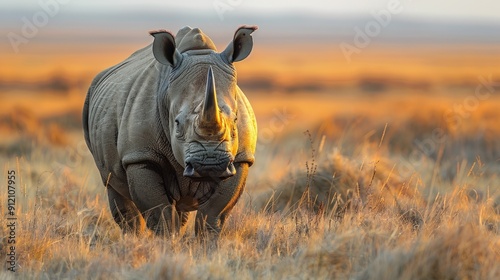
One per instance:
[(189, 171), (231, 168), (230, 171)]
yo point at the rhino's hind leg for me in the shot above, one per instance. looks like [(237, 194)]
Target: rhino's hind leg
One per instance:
[(125, 214)]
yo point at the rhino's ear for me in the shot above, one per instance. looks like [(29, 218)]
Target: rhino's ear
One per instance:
[(164, 48), (241, 46)]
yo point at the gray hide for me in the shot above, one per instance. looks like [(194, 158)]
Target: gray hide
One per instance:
[(171, 132)]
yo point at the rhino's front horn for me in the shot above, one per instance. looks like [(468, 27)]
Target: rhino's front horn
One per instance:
[(210, 118)]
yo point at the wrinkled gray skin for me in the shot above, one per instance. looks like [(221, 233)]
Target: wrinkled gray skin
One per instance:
[(171, 132)]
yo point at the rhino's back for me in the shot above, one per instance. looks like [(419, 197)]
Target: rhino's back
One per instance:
[(119, 115)]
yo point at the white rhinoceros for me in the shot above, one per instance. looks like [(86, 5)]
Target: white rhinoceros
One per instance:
[(171, 132)]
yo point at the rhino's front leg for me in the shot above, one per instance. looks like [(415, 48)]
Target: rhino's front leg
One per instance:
[(212, 215), (125, 213), (149, 195)]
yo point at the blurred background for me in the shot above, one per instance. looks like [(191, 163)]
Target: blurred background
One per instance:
[(344, 70), (385, 112)]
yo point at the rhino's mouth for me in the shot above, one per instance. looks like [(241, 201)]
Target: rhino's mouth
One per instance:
[(208, 162), (202, 172)]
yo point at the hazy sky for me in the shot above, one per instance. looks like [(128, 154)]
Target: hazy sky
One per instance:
[(441, 9)]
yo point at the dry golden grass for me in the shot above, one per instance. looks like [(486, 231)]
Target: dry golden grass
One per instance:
[(369, 192), (332, 203)]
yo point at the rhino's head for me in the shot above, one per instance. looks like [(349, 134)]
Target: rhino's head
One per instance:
[(198, 101)]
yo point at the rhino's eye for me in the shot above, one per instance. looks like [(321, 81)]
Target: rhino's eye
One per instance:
[(178, 129), (177, 126), (233, 132)]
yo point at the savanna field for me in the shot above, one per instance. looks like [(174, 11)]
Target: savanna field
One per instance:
[(384, 167)]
